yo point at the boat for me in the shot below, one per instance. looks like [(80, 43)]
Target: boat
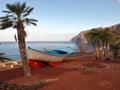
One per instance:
[(1, 54), (51, 57)]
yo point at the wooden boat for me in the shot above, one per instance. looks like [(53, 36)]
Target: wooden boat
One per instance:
[(52, 57)]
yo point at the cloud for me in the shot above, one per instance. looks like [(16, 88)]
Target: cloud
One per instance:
[(7, 35), (47, 35), (118, 1), (41, 34)]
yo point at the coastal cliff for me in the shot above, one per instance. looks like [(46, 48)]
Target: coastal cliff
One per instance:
[(86, 43)]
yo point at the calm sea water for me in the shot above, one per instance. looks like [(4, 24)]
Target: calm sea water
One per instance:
[(11, 49)]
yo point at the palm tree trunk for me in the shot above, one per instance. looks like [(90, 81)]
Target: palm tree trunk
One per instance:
[(22, 48)]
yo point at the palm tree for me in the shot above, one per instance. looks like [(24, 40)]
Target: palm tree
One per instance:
[(17, 17)]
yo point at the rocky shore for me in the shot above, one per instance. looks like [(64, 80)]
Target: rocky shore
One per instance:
[(6, 63)]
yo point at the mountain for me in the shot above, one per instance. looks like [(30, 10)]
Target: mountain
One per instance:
[(86, 43)]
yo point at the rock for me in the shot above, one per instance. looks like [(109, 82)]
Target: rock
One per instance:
[(86, 42), (2, 64)]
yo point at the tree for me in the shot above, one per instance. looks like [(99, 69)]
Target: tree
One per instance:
[(102, 38), (17, 17), (115, 45), (107, 36), (94, 35)]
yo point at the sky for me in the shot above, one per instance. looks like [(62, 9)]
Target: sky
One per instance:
[(60, 20)]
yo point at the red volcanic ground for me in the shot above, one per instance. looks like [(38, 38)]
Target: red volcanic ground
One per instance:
[(68, 76)]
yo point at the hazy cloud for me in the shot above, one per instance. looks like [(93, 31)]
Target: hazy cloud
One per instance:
[(47, 35), (118, 1), (41, 34)]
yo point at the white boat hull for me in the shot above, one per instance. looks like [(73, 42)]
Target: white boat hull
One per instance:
[(36, 55)]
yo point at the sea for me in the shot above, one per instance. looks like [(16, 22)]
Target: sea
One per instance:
[(11, 50)]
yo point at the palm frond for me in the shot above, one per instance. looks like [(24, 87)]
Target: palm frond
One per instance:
[(5, 25), (33, 23), (6, 11), (4, 17), (33, 20), (30, 10), (27, 11), (26, 14), (10, 7), (28, 21), (3, 20), (15, 37), (15, 26)]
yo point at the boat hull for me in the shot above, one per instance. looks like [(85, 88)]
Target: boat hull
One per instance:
[(37, 63), (36, 55)]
